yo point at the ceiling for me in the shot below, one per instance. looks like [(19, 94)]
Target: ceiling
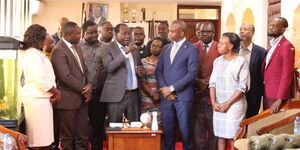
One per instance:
[(187, 2)]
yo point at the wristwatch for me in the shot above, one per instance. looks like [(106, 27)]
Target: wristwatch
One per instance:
[(172, 89)]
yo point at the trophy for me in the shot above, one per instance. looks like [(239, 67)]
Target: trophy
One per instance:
[(145, 119), (125, 20), (125, 121)]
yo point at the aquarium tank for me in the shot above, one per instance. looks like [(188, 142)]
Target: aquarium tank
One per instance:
[(9, 81)]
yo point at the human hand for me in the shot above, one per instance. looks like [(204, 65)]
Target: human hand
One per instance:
[(201, 85), (56, 96), (171, 97), (165, 91), (224, 107), (275, 106), (140, 71), (132, 47), (216, 106), (155, 97)]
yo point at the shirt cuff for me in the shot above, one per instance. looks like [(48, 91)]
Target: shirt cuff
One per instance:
[(172, 89)]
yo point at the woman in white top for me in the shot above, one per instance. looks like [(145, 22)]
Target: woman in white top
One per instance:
[(228, 83), (38, 90)]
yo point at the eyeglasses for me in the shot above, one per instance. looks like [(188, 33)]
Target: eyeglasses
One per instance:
[(203, 31), (156, 46)]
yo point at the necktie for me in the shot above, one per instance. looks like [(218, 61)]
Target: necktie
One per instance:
[(129, 72), (76, 56), (205, 46), (173, 51)]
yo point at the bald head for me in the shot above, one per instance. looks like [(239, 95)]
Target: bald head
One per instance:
[(246, 32), (277, 27), (176, 30)]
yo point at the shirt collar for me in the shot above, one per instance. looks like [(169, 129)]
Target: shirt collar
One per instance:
[(67, 43), (250, 46), (86, 43), (274, 42), (180, 42), (119, 45), (209, 44)]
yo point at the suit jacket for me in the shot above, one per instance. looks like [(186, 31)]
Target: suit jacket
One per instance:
[(55, 38), (70, 78), (114, 63), (181, 73), (209, 60), (278, 74)]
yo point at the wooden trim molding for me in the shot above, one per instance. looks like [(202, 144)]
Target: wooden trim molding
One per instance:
[(267, 129)]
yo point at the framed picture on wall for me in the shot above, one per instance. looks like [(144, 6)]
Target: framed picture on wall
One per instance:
[(97, 12)]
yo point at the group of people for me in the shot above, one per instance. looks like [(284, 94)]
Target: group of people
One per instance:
[(207, 88)]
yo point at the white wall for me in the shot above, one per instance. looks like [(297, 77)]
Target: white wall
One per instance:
[(238, 7), (53, 10)]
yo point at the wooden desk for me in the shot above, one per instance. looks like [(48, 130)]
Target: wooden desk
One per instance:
[(134, 140)]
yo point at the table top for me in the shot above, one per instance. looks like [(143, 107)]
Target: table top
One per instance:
[(135, 132)]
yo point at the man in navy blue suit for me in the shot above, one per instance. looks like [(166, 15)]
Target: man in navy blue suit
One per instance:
[(175, 72)]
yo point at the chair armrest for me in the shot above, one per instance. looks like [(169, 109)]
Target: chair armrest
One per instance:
[(268, 112), (241, 133), (268, 128)]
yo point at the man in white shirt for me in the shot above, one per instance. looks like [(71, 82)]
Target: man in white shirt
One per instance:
[(278, 66)]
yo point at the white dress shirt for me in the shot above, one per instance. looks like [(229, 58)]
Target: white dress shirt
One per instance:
[(176, 46), (246, 52), (73, 52), (130, 57), (273, 43)]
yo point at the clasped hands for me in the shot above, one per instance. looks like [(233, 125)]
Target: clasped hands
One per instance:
[(166, 92), (87, 92), (221, 107)]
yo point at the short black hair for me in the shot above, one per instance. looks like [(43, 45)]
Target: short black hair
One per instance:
[(163, 22), (208, 23), (34, 35), (138, 27), (234, 39), (86, 24), (284, 21), (68, 27), (103, 23), (117, 28)]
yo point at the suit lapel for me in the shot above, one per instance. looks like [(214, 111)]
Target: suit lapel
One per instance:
[(179, 52), (253, 58), (275, 51), (68, 51)]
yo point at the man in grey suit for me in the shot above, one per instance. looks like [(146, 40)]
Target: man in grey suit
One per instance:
[(255, 55), (121, 85), (72, 81)]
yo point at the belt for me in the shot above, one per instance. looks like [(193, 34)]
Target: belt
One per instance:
[(131, 91)]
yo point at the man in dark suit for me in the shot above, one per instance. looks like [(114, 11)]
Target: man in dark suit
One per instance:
[(254, 55), (92, 50), (57, 36), (203, 135), (175, 72), (121, 85), (278, 66), (72, 81), (139, 37)]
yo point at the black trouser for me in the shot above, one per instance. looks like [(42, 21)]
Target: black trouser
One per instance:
[(56, 125), (97, 112)]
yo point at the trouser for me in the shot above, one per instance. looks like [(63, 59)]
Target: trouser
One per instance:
[(97, 112), (203, 135)]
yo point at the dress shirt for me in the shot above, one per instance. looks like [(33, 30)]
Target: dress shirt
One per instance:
[(246, 52), (176, 46), (273, 44), (73, 51), (209, 45), (130, 57), (93, 62)]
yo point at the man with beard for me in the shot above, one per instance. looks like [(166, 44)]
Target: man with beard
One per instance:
[(254, 55), (120, 91), (139, 37), (57, 36), (92, 51), (72, 80), (203, 136), (106, 32), (278, 66)]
